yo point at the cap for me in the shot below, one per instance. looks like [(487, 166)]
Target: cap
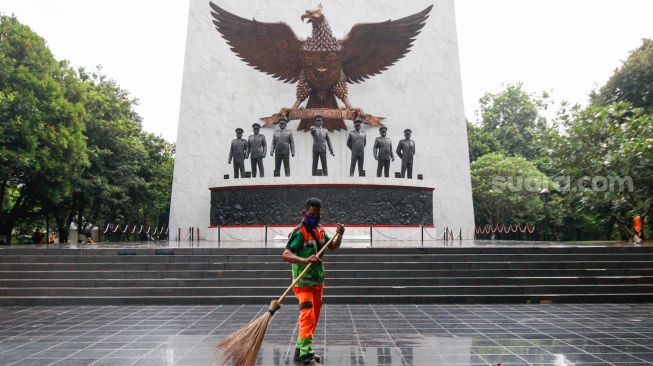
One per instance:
[(239, 130), (358, 121), (282, 120), (383, 128), (319, 116), (256, 125), (408, 130)]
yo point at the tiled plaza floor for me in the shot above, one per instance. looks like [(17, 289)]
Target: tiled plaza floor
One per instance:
[(578, 334)]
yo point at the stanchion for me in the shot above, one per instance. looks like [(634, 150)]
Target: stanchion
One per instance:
[(198, 235), (178, 234), (422, 236), (218, 236), (266, 236), (370, 236)]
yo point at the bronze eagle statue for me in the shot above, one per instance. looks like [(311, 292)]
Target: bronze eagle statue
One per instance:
[(321, 65)]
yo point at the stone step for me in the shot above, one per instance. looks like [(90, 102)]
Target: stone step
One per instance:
[(446, 257), (590, 297), (332, 282), (331, 273), (407, 250), (340, 290), (354, 275), (330, 265)]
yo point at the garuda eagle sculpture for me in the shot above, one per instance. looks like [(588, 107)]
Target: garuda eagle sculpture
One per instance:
[(321, 65)]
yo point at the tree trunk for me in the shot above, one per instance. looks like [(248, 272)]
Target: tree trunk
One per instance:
[(6, 230)]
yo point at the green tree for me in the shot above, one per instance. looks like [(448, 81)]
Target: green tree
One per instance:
[(607, 152), (506, 189), (513, 118), (41, 135), (632, 82), (480, 142)]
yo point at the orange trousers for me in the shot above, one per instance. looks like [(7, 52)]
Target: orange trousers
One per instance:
[(310, 304)]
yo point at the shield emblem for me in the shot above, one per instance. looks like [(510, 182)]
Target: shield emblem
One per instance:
[(322, 69)]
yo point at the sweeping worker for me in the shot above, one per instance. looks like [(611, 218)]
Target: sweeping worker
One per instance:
[(304, 243)]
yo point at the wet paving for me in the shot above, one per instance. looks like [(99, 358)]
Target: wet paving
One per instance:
[(569, 334)]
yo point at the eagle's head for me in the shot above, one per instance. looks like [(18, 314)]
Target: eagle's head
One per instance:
[(314, 16)]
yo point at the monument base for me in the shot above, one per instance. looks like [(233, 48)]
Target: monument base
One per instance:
[(359, 201)]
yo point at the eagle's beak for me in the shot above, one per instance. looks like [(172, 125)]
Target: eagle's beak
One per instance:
[(306, 16)]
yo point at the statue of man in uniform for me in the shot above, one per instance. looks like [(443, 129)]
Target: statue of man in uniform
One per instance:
[(238, 152), (257, 149), (383, 153), (405, 151), (356, 143), (283, 144), (320, 142)]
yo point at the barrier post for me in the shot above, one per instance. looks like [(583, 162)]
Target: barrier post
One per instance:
[(266, 236), (370, 236), (178, 234), (422, 227), (218, 236), (198, 235)]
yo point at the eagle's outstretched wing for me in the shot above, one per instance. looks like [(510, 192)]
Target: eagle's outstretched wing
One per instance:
[(269, 47), (371, 48)]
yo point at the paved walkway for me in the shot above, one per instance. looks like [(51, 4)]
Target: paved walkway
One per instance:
[(579, 334)]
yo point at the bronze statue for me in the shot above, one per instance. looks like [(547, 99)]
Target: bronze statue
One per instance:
[(238, 153), (405, 152), (320, 142), (257, 149), (356, 143), (383, 153), (321, 65), (282, 145)]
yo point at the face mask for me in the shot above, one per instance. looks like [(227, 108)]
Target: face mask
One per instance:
[(311, 220)]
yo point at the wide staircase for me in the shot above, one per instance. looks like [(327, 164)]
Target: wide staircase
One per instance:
[(32, 276)]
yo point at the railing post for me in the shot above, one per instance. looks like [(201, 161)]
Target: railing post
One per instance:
[(370, 236), (198, 235), (422, 236), (218, 236), (266, 236)]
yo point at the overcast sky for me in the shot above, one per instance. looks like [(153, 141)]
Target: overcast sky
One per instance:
[(568, 46)]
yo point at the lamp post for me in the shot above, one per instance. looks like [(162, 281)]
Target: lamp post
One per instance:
[(545, 195)]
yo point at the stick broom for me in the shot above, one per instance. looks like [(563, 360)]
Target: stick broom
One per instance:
[(241, 347)]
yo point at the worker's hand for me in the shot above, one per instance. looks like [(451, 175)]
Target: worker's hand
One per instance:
[(311, 259), (340, 229), (332, 154)]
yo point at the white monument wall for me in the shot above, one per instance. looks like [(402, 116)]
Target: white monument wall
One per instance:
[(422, 91)]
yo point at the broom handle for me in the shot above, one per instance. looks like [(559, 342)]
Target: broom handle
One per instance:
[(319, 254)]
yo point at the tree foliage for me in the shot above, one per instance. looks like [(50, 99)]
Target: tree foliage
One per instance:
[(72, 148), (513, 118), (41, 135), (506, 189), (632, 82)]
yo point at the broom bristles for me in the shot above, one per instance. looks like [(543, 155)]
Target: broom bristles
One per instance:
[(241, 347)]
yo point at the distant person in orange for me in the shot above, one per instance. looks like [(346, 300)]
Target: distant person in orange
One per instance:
[(51, 239), (638, 229)]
